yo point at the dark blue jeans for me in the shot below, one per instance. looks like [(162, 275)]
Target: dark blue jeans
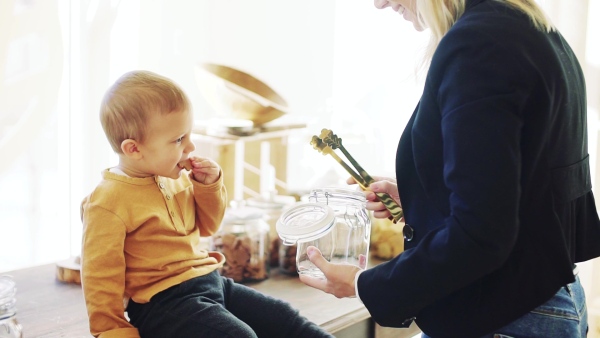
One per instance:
[(215, 306), (564, 315)]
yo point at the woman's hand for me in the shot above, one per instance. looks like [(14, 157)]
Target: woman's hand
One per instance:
[(382, 184), (339, 277), (205, 170)]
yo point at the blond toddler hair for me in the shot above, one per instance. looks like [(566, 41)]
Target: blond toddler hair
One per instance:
[(131, 100)]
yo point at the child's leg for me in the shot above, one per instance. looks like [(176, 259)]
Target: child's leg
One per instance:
[(267, 316), (191, 309)]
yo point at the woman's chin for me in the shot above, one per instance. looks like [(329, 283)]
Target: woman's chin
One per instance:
[(408, 16), (418, 27)]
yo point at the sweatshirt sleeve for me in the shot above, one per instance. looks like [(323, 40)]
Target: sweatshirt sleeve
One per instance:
[(103, 272), (211, 202)]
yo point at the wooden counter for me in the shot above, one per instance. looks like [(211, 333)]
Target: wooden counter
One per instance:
[(48, 308)]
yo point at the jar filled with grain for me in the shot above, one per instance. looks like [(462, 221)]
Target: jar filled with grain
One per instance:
[(244, 241)]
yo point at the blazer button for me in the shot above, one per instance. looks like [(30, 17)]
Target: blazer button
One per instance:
[(408, 232)]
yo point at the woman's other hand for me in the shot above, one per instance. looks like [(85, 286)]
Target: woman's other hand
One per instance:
[(384, 185)]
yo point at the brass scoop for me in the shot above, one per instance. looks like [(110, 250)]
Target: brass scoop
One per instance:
[(327, 143)]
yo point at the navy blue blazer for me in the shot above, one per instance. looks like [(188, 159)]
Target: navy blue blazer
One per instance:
[(494, 178)]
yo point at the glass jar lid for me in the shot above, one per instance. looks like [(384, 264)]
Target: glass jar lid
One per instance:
[(305, 222)]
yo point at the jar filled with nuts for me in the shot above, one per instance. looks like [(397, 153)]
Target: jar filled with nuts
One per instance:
[(273, 206), (244, 241)]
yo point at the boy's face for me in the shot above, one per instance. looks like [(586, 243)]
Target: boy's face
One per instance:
[(167, 143)]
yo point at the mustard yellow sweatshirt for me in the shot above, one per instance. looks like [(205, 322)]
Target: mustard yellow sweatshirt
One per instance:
[(141, 236)]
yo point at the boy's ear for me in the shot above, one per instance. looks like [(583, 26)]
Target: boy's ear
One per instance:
[(130, 149)]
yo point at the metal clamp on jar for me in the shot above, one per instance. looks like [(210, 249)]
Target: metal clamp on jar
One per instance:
[(335, 221)]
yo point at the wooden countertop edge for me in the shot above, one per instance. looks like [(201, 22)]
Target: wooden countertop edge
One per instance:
[(345, 321)]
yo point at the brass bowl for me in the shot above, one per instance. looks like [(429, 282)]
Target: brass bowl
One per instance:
[(236, 94)]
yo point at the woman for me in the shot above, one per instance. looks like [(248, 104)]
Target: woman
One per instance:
[(493, 175)]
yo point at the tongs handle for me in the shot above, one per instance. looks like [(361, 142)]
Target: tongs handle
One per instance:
[(391, 205), (327, 143)]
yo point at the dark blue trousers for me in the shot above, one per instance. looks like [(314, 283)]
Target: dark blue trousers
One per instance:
[(562, 316), (215, 306)]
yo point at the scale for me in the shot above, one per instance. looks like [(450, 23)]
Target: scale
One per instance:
[(248, 135)]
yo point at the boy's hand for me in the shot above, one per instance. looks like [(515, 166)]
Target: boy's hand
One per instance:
[(205, 170)]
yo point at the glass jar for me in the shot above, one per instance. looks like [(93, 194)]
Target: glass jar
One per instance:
[(273, 207), (244, 241), (287, 258), (9, 326), (335, 220)]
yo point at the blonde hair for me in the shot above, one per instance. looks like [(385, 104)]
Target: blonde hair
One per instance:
[(131, 100), (440, 15)]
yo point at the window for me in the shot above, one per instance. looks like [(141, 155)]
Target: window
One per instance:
[(61, 55)]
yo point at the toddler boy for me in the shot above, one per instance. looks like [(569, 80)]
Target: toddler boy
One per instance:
[(142, 229)]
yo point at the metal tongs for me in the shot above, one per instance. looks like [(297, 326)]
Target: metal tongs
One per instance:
[(327, 143)]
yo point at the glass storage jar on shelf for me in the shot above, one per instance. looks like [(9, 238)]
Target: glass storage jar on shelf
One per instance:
[(244, 241), (287, 258), (9, 326), (272, 206), (287, 253), (335, 220)]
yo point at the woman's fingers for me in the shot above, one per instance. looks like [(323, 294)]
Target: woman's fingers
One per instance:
[(339, 278), (350, 180), (315, 256), (381, 185), (387, 187), (383, 178)]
